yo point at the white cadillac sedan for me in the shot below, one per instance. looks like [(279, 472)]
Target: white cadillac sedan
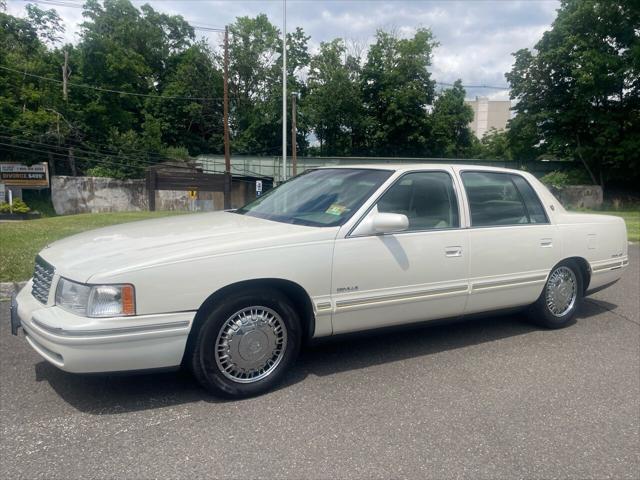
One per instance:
[(233, 295)]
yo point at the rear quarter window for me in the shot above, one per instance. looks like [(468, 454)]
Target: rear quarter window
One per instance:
[(532, 202)]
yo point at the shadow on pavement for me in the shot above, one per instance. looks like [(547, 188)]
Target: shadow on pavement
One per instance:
[(115, 394)]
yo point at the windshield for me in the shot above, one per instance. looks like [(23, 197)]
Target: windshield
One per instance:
[(322, 198)]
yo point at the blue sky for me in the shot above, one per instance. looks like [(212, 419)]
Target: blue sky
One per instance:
[(477, 37)]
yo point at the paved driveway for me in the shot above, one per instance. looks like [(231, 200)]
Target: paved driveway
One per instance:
[(493, 398)]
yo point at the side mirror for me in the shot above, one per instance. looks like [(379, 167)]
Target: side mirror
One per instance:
[(377, 223), (389, 222)]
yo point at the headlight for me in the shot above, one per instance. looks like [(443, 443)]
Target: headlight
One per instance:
[(96, 300)]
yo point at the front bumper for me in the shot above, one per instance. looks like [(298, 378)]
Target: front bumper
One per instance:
[(89, 345)]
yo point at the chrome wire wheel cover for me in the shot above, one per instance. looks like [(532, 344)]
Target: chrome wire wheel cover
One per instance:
[(561, 291), (251, 344)]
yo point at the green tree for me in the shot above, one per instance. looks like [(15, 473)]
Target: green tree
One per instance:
[(47, 23), (579, 90), (397, 89), (123, 48), (194, 124), (255, 50), (494, 145), (334, 101), (144, 52), (29, 106), (450, 118)]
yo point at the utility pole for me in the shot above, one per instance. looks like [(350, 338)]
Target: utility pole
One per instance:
[(65, 76), (294, 139), (72, 162), (284, 90), (227, 153), (65, 96)]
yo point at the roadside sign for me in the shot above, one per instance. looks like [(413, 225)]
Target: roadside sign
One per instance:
[(193, 194), (18, 175), (258, 188)]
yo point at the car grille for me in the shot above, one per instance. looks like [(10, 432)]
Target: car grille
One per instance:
[(42, 277)]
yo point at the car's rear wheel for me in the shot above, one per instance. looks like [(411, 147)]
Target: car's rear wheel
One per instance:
[(560, 298), (246, 344)]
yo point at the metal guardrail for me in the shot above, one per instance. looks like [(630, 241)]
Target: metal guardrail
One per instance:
[(271, 167)]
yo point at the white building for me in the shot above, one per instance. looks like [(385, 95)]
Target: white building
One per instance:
[(488, 114)]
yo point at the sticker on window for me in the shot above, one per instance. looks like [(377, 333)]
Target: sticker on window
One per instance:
[(336, 209)]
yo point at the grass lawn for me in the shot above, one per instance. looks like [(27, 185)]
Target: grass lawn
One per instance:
[(21, 241)]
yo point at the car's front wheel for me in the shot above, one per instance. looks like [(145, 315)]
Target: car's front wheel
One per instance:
[(246, 344), (560, 298)]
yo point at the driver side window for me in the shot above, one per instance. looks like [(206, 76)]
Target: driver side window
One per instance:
[(428, 199)]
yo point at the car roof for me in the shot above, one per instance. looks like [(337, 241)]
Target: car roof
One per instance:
[(402, 167)]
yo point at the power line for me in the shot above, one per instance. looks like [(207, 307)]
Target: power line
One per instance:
[(89, 155), (76, 149), (176, 97), (490, 87), (97, 158), (105, 149), (80, 158), (86, 153), (109, 90)]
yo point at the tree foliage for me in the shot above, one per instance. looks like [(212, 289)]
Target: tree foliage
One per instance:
[(451, 136), (144, 88), (578, 91), (334, 100), (397, 89)]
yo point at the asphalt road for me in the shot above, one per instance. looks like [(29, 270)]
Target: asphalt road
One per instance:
[(492, 398)]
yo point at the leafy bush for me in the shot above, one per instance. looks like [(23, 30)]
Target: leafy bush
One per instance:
[(105, 171), (39, 201), (559, 178), (177, 153), (18, 207)]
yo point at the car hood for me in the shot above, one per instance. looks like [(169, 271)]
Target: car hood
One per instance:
[(97, 254)]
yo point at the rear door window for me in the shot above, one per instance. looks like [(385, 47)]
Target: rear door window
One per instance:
[(494, 199)]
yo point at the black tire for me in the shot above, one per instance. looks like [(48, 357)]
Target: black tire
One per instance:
[(541, 313), (206, 368)]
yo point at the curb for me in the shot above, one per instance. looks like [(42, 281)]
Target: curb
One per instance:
[(10, 288)]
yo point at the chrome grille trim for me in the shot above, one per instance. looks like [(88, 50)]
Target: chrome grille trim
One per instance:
[(42, 278)]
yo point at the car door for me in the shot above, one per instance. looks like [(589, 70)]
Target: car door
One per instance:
[(512, 245), (413, 275)]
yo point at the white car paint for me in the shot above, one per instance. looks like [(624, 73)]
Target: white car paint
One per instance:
[(353, 282)]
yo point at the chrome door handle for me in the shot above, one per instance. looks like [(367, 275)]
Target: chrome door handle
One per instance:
[(453, 251), (546, 242)]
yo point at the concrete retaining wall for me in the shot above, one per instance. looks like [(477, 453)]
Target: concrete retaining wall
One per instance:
[(579, 196), (97, 194), (71, 195)]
